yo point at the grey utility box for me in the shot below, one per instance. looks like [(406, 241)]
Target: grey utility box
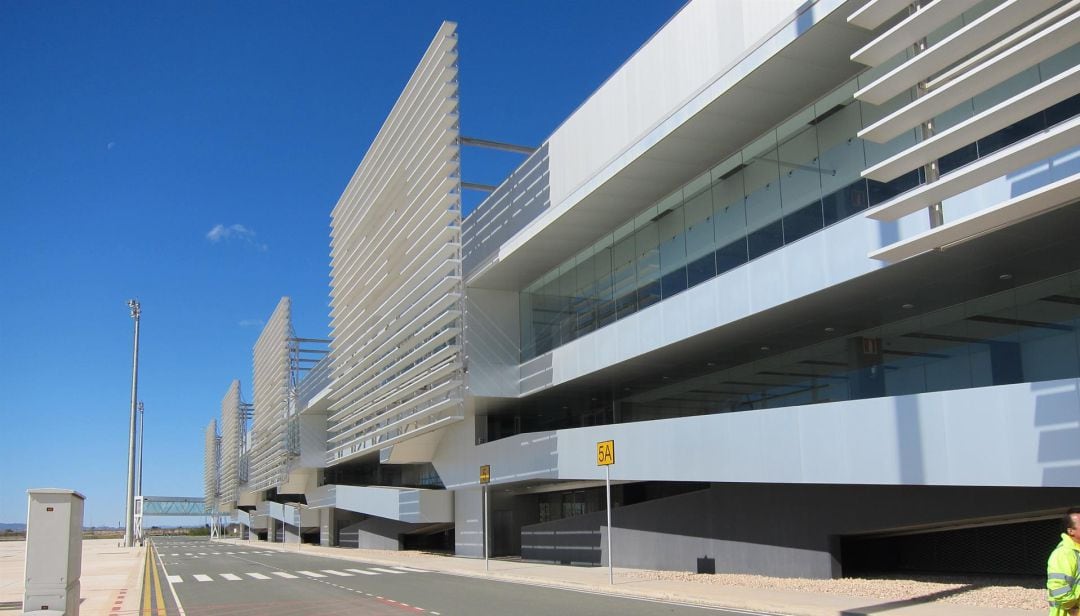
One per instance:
[(53, 551)]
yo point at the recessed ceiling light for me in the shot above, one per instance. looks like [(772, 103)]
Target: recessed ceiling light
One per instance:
[(830, 329), (1005, 277), (710, 363), (764, 348), (908, 306)]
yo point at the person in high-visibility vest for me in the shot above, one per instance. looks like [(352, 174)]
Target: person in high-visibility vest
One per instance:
[(1062, 586)]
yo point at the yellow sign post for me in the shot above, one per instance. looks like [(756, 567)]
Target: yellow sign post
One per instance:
[(485, 479), (605, 456), (605, 453)]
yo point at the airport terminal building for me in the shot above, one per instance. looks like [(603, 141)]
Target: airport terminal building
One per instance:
[(812, 265)]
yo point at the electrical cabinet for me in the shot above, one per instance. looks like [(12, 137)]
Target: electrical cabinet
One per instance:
[(54, 522)]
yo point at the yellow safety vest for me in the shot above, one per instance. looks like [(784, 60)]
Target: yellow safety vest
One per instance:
[(1062, 588)]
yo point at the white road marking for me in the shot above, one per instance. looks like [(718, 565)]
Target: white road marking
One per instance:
[(337, 573), (203, 578), (232, 577), (258, 576), (175, 579), (362, 572), (202, 553), (229, 553), (216, 553), (411, 570), (381, 570), (287, 576), (188, 554), (311, 574)]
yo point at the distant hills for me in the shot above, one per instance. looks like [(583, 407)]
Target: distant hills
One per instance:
[(5, 526)]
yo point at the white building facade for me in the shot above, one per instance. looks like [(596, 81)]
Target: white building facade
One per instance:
[(812, 266)]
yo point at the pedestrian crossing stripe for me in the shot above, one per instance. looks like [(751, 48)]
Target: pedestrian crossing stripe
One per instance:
[(233, 577)]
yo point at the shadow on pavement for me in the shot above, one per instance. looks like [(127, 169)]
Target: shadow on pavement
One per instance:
[(891, 605)]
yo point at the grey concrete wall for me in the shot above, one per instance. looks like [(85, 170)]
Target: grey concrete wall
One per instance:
[(794, 530), (374, 534), (326, 526), (313, 441), (570, 541), (292, 534), (468, 529)]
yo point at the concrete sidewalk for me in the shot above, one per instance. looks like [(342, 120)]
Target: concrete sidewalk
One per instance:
[(595, 579), (111, 577)]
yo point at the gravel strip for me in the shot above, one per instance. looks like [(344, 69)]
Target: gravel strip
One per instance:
[(975, 591), (1025, 593)]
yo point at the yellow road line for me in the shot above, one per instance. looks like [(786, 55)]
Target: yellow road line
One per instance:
[(146, 585), (157, 589)]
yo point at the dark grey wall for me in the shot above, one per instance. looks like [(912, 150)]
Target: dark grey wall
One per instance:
[(787, 530), (570, 541)]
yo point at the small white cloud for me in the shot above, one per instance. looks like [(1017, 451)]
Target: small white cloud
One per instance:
[(110, 145), (220, 233), (251, 323)]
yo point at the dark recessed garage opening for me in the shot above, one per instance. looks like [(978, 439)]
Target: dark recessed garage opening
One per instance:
[(1019, 548)]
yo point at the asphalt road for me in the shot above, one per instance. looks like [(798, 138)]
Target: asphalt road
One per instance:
[(212, 579)]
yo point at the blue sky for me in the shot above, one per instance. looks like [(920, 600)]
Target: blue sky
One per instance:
[(129, 131)]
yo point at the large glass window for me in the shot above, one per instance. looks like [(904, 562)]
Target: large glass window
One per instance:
[(764, 224), (700, 241), (794, 180), (1021, 335), (672, 230)]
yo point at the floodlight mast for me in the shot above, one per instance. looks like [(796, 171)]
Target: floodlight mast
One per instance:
[(142, 439), (129, 519)]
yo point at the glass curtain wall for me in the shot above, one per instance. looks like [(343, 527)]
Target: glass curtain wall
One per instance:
[(1023, 335), (799, 178)]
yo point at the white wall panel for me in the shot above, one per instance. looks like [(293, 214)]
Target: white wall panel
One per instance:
[(211, 466), (492, 342), (700, 42), (992, 436), (395, 291), (270, 368), (232, 425)]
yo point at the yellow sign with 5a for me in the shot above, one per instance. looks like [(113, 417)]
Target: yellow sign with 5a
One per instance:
[(605, 453)]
